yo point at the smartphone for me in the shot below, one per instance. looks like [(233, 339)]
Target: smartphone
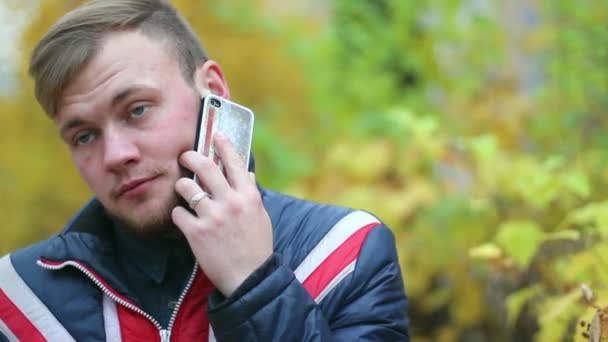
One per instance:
[(232, 119)]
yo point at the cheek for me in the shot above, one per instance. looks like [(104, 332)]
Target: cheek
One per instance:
[(167, 145), (184, 129), (188, 132), (87, 168), (182, 138), (174, 133)]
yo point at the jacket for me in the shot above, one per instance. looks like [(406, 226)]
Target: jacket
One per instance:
[(334, 276)]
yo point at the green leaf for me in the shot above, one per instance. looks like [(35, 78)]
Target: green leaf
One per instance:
[(594, 214), (567, 234), (554, 162), (484, 148), (485, 252), (520, 240), (555, 307), (578, 182)]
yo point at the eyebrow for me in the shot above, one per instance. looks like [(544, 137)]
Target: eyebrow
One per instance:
[(119, 97), (124, 93), (71, 124)]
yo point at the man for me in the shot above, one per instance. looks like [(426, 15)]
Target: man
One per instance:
[(123, 81)]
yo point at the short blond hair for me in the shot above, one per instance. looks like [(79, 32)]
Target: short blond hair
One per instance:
[(74, 40)]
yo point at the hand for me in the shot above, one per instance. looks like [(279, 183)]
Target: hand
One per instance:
[(231, 233)]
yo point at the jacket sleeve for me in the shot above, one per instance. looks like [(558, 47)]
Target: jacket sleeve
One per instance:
[(368, 305)]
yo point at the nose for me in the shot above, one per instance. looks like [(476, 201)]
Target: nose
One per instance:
[(120, 150)]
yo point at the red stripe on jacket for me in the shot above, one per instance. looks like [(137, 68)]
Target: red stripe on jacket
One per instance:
[(17, 322), (337, 261)]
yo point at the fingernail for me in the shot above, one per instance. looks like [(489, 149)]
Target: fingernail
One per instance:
[(220, 135)]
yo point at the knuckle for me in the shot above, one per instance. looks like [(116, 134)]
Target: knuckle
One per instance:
[(237, 160), (199, 228), (196, 232), (207, 164), (234, 205), (215, 218), (254, 197)]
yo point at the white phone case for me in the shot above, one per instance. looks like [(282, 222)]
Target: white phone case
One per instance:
[(234, 120)]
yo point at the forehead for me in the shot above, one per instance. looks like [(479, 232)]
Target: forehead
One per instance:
[(122, 58)]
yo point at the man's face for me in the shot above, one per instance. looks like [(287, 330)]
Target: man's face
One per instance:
[(126, 118)]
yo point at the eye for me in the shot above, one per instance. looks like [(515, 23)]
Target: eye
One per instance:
[(138, 111), (83, 138)]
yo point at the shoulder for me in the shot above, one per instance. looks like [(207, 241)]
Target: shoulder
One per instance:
[(24, 260), (301, 226), (286, 211), (56, 300), (20, 267)]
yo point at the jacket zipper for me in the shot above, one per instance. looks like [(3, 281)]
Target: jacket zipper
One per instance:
[(165, 334), (180, 300)]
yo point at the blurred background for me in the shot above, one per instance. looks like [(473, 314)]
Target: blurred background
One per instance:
[(476, 129)]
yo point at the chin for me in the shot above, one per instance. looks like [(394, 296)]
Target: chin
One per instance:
[(148, 219)]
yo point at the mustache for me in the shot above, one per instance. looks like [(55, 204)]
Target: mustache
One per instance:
[(133, 175)]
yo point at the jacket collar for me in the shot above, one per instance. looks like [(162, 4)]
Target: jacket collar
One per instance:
[(92, 238), (87, 239)]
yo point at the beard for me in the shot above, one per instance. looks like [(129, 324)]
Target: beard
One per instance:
[(155, 223)]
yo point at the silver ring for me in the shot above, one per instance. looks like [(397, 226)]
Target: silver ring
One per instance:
[(197, 198)]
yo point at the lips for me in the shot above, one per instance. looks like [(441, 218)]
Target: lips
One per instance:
[(131, 186)]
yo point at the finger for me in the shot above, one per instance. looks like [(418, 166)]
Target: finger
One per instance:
[(185, 221), (236, 172), (187, 188), (208, 174)]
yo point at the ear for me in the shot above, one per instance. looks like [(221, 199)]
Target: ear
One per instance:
[(209, 78)]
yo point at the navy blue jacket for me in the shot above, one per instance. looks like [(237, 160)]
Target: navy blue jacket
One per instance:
[(334, 276)]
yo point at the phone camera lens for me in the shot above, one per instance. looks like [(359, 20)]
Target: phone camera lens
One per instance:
[(216, 103)]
